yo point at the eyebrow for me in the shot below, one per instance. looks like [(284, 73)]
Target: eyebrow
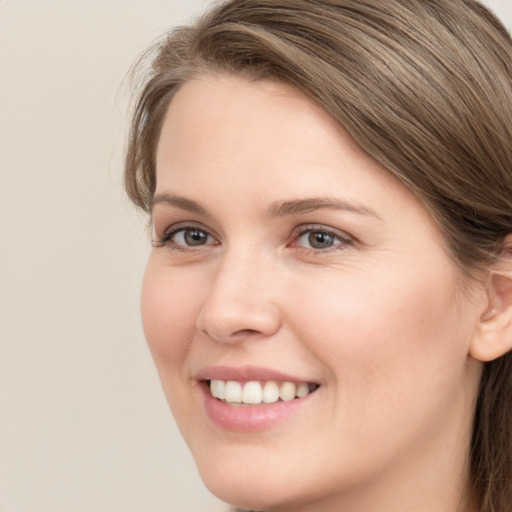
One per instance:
[(301, 206), (277, 209), (178, 201)]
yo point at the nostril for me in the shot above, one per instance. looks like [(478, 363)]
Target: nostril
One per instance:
[(246, 332)]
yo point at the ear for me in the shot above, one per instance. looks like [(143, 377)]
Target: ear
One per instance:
[(494, 334)]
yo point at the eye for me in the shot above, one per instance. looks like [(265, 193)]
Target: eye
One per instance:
[(317, 240), (320, 239), (186, 237), (191, 237)]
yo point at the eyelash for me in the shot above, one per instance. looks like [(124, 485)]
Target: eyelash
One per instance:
[(168, 235), (343, 240)]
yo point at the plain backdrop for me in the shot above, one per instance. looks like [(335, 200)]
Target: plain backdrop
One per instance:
[(84, 426)]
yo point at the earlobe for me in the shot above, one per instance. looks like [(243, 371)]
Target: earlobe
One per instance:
[(494, 334)]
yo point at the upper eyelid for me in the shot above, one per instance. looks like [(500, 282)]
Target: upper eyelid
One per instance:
[(305, 228), (174, 228)]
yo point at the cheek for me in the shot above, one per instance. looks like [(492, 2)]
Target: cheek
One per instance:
[(388, 344), (169, 304)]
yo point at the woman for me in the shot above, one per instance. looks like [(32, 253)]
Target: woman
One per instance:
[(329, 296)]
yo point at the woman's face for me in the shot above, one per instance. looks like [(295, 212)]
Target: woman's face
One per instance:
[(283, 254)]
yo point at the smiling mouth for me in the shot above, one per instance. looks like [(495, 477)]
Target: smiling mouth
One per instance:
[(249, 393)]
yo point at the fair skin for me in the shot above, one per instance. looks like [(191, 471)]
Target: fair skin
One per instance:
[(351, 292)]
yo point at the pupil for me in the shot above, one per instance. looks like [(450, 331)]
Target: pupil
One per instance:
[(195, 237), (320, 240)]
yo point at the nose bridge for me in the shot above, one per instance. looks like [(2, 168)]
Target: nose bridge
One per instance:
[(240, 298)]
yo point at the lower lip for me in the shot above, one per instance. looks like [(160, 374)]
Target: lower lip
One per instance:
[(249, 418)]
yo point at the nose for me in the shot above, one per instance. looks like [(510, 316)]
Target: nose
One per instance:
[(239, 303)]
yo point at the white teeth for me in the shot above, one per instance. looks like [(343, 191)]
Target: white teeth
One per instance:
[(270, 392), (287, 391), (302, 390), (218, 389), (253, 393), (233, 391)]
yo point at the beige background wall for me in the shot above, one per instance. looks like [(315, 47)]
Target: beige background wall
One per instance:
[(83, 424)]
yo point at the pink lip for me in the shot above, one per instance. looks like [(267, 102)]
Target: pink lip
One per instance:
[(248, 418), (245, 374)]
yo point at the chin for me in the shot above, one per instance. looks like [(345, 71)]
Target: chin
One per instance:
[(249, 485)]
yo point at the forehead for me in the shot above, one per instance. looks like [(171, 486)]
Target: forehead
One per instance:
[(223, 124), (211, 105)]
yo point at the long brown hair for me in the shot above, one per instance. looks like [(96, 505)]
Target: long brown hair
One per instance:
[(424, 86)]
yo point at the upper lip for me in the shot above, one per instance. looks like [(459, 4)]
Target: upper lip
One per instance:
[(247, 373)]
